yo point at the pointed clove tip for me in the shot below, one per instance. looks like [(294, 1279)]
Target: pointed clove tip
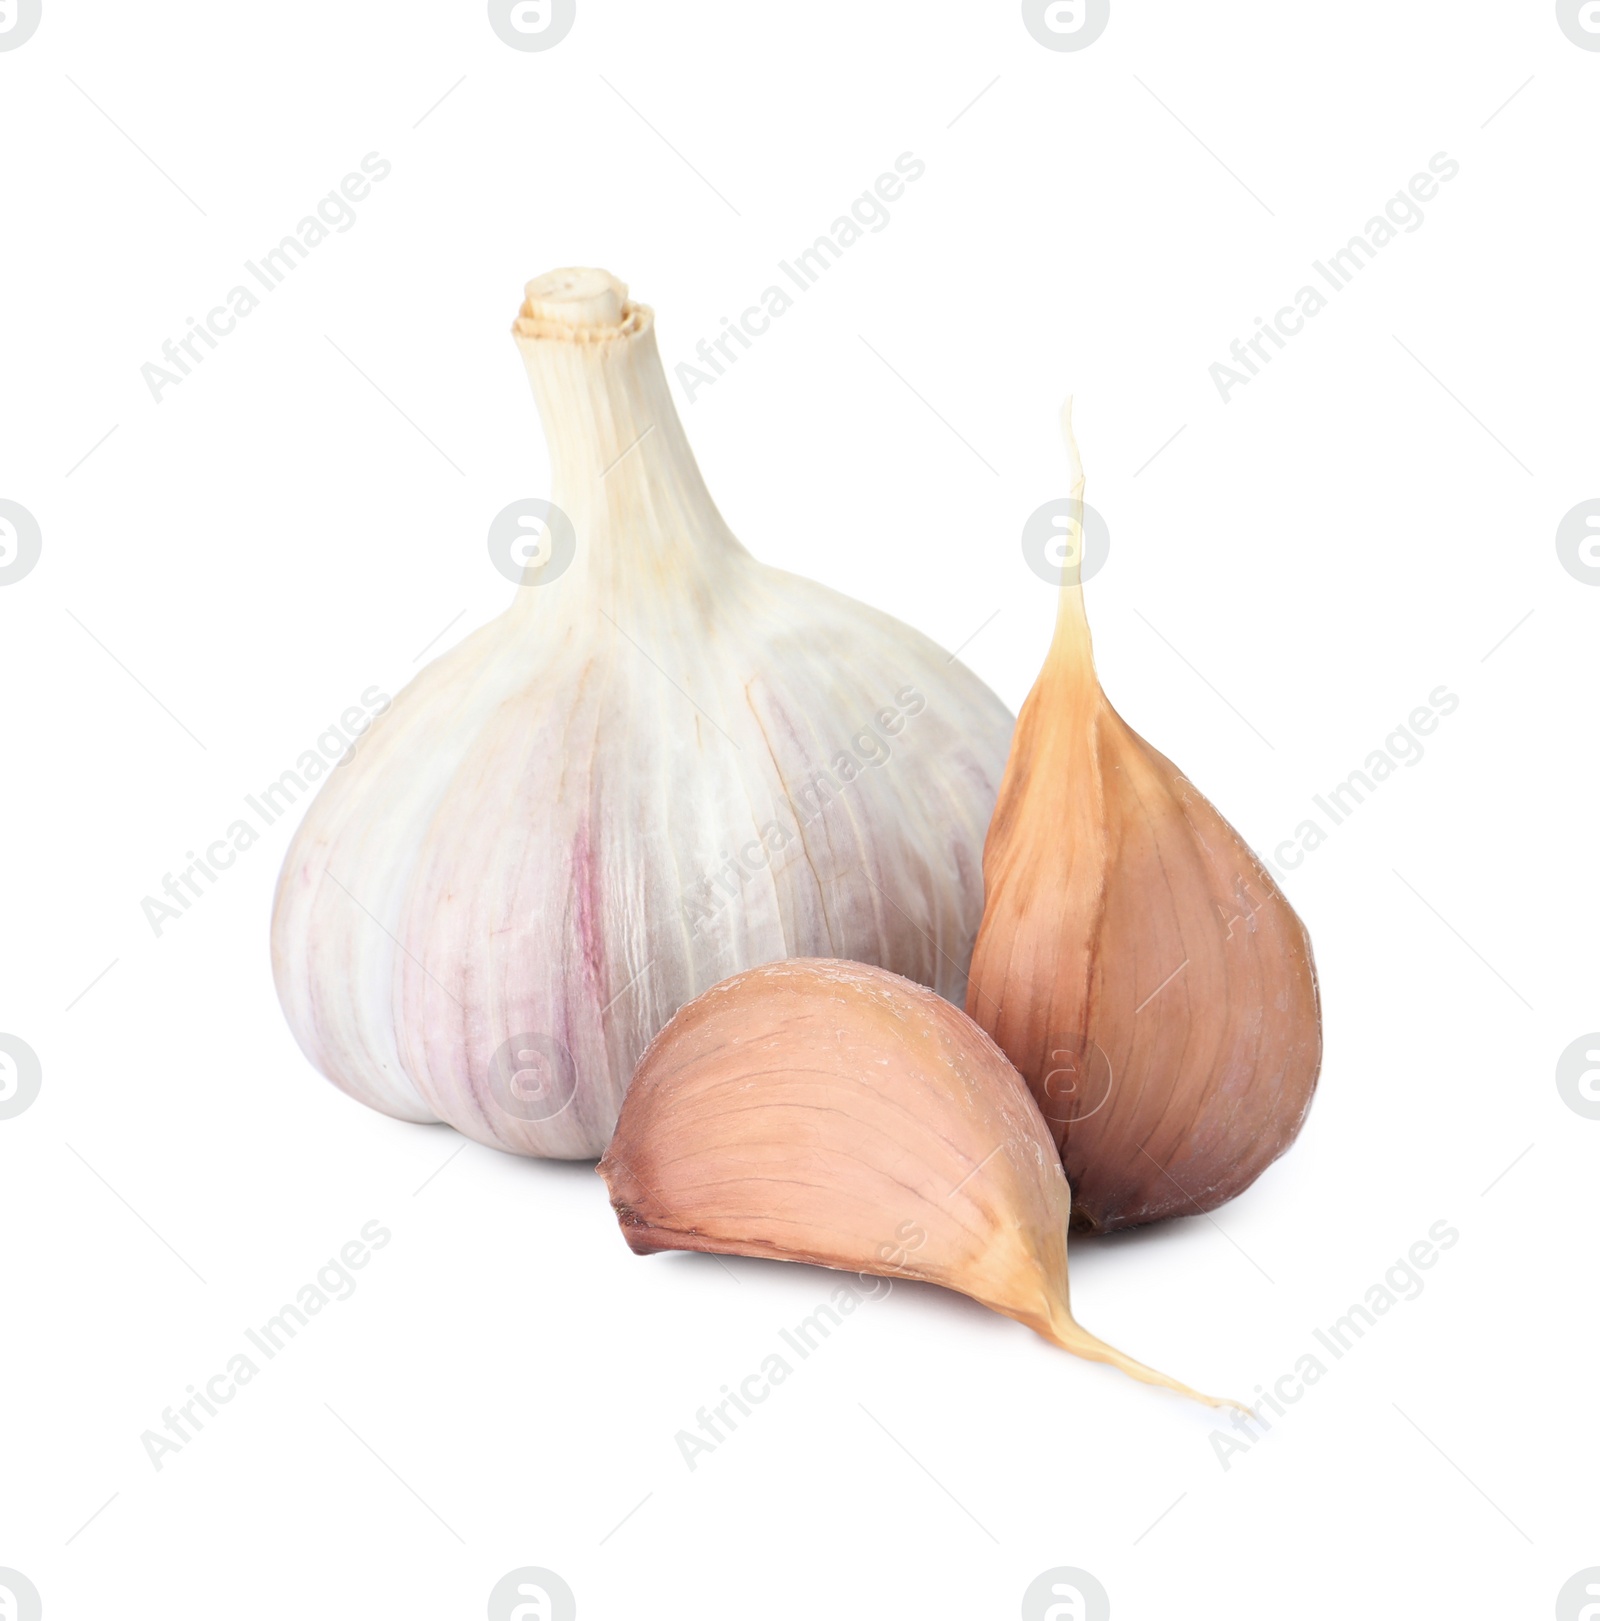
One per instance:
[(1063, 1329), (1071, 440), (1071, 638)]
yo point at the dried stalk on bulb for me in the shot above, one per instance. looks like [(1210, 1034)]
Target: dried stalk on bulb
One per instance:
[(1136, 962), (834, 1113)]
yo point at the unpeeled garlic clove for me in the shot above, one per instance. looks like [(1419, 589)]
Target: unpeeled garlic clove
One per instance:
[(834, 1113), (1136, 962)]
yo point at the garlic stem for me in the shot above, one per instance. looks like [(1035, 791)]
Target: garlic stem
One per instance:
[(621, 467)]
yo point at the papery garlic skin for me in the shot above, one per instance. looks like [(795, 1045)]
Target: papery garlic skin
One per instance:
[(522, 856), (1137, 963), (834, 1113)]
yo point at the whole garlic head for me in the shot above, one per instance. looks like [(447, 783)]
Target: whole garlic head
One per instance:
[(664, 763)]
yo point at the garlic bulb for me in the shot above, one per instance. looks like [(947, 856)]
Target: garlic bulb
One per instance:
[(664, 762), (1136, 962), (834, 1113)]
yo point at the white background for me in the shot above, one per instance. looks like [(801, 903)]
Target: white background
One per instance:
[(1290, 576)]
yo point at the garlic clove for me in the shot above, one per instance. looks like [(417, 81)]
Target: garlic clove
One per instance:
[(663, 763), (834, 1113), (1136, 962)]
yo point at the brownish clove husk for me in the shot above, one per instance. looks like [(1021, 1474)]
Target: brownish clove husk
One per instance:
[(1136, 962), (826, 1111)]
